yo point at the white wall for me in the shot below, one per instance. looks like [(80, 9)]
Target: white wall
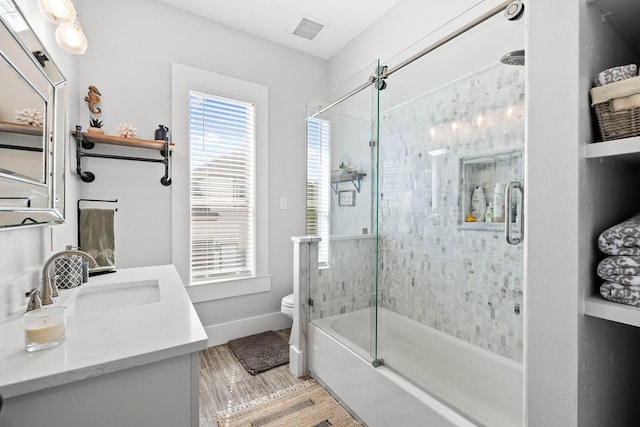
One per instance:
[(131, 48), (403, 26), (22, 252)]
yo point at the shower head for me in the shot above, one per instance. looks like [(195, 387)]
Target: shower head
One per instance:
[(513, 58)]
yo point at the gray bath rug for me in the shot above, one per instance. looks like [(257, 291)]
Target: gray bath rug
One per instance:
[(261, 352)]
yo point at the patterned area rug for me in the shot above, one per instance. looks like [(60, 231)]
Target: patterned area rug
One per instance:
[(261, 352), (304, 405)]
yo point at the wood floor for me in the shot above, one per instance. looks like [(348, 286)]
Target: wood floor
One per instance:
[(224, 383)]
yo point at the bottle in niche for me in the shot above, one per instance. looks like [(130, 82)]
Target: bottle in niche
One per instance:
[(488, 217), (498, 202), (478, 204)]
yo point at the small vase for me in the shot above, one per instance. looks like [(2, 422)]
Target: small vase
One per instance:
[(91, 129)]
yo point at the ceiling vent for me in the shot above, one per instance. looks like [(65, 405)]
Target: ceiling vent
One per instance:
[(308, 29)]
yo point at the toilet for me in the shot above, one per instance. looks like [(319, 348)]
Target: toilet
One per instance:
[(286, 306)]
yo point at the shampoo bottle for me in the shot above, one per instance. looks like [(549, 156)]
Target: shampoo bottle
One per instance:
[(489, 215), (478, 204)]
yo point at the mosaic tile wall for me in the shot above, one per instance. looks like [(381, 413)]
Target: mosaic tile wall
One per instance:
[(467, 283), (349, 281)]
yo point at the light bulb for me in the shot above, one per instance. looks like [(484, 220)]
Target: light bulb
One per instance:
[(57, 11), (70, 38)]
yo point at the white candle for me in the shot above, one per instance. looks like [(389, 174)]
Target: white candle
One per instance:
[(45, 333), (44, 328)]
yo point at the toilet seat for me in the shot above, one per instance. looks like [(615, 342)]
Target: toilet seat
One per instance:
[(288, 301), (286, 306)]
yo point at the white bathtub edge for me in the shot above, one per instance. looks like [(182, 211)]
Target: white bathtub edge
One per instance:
[(377, 396)]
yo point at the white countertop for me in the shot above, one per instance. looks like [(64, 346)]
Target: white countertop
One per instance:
[(104, 341)]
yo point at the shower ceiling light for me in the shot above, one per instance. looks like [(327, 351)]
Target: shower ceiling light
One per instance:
[(71, 38), (57, 11)]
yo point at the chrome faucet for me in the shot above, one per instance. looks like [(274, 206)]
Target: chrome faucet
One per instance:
[(48, 290)]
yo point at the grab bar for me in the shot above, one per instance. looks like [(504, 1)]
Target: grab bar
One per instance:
[(511, 214)]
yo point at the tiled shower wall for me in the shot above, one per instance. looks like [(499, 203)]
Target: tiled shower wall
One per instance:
[(467, 283), (348, 284)]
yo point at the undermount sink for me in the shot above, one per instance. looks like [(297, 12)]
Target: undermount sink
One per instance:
[(114, 296)]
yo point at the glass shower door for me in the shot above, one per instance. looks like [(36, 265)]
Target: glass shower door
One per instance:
[(341, 197), (450, 287)]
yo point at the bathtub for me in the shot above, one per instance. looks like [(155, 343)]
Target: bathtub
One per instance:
[(436, 368)]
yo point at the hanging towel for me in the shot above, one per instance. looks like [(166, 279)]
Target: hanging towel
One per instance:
[(621, 293), (622, 239), (97, 235), (620, 269)]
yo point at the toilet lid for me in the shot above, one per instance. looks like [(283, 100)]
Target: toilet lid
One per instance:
[(288, 301)]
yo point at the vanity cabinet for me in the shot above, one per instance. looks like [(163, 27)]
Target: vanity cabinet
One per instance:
[(608, 333), (160, 394)]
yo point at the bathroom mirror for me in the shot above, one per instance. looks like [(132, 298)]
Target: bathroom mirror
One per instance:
[(32, 126)]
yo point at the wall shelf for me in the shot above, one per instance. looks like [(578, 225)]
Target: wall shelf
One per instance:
[(354, 177), (617, 147), (96, 138), (87, 141), (20, 129), (596, 306)]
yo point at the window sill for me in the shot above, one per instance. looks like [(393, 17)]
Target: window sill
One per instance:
[(229, 288)]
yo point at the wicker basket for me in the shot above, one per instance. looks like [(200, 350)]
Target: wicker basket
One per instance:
[(616, 124)]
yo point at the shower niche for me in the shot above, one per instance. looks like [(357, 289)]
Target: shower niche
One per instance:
[(488, 171)]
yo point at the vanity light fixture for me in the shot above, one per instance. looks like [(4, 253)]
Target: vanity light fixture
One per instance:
[(57, 11), (71, 38)]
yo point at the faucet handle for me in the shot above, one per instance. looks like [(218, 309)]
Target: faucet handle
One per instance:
[(34, 299), (54, 286)]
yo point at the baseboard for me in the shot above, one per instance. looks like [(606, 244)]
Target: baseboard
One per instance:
[(224, 332)]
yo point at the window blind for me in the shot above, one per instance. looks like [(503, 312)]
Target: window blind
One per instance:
[(318, 184), (222, 158)]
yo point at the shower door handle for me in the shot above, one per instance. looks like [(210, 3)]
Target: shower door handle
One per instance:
[(514, 213)]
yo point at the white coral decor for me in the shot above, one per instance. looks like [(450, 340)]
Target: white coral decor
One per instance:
[(29, 116), (126, 130)]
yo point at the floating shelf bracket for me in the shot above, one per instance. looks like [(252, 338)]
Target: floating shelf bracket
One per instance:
[(354, 177), (86, 141)]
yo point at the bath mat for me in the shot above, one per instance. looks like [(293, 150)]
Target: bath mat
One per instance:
[(261, 352), (312, 406)]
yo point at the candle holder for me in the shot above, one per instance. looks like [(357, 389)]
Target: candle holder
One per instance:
[(44, 328)]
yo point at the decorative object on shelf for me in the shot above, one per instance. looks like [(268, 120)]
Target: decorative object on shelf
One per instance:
[(616, 74), (617, 107), (162, 133), (125, 130), (93, 98), (95, 126), (344, 168), (347, 198), (29, 116)]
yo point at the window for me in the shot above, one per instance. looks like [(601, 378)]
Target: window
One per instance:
[(220, 190), (318, 184), (222, 150)]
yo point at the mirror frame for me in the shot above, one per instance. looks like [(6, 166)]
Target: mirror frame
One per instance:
[(55, 131)]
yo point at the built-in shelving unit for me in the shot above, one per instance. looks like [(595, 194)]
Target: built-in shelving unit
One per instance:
[(354, 177), (87, 141), (608, 332), (21, 129)]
